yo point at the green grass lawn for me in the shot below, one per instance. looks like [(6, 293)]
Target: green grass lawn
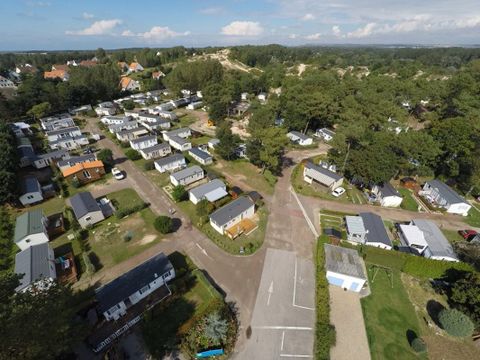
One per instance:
[(54, 205), (246, 172), (388, 315), (408, 202), (452, 235), (185, 120), (201, 140), (473, 218), (125, 198)]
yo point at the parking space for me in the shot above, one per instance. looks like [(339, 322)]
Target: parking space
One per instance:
[(282, 324)]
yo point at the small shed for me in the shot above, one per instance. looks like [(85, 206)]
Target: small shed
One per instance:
[(344, 268)]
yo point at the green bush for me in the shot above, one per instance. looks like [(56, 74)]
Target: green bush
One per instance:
[(133, 154), (179, 193), (270, 178), (75, 183), (325, 336), (121, 213), (89, 268), (424, 268), (149, 165), (163, 224), (455, 323), (418, 345)]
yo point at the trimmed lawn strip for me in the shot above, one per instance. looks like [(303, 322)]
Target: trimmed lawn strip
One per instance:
[(408, 202), (389, 315), (473, 218)]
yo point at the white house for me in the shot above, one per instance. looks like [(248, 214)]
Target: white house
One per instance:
[(86, 209), (170, 163), (244, 96), (182, 132), (299, 138), (31, 191), (69, 132), (262, 96), (195, 105), (5, 83), (187, 176), (367, 229), (167, 115), (105, 111), (44, 160), (144, 142), (179, 143), (440, 194), (156, 151), (114, 129), (231, 214), (180, 102), (344, 268), (325, 134), (135, 113), (69, 143), (56, 122), (115, 120), (325, 177), (31, 229), (135, 67), (387, 195), (212, 143), (211, 191), (130, 134), (165, 106), (128, 84), (116, 297), (36, 266), (155, 123), (201, 156)]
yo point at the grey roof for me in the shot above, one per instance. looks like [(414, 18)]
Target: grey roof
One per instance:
[(231, 210), (376, 229), (122, 287), (386, 189), (63, 131), (177, 131), (323, 171), (189, 171), (28, 223), (170, 159), (76, 160), (327, 131), (83, 203), (437, 242), (57, 154), (143, 139), (299, 135), (34, 263), (355, 224), (179, 140), (26, 151), (214, 141), (124, 124), (343, 261), (155, 148), (201, 154), (202, 190), (131, 131), (446, 192), (30, 184)]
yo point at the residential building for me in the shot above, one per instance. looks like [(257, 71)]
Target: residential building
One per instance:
[(69, 143), (114, 129), (231, 214), (325, 134), (143, 142), (135, 67), (122, 65), (135, 113), (157, 124), (167, 115), (387, 195), (86, 210), (70, 132), (115, 120), (31, 229), (212, 143), (57, 74), (36, 266), (128, 84), (5, 83), (299, 138), (201, 156), (195, 105), (106, 108), (85, 172), (367, 229), (25, 69), (180, 102), (26, 154), (344, 268), (179, 143), (170, 163), (325, 177), (30, 190), (441, 195), (168, 106), (44, 160), (57, 122), (130, 134), (187, 176), (21, 129), (74, 160), (211, 191), (116, 297), (182, 132), (262, 96), (244, 96), (156, 75), (81, 110), (241, 151), (156, 151)]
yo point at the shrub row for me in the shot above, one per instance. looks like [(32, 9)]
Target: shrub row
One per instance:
[(121, 213), (325, 336)]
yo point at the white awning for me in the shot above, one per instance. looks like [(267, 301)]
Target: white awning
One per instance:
[(216, 194)]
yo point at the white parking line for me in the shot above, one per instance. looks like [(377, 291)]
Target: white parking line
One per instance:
[(270, 292), (297, 356), (283, 340), (295, 290), (305, 215), (301, 328)]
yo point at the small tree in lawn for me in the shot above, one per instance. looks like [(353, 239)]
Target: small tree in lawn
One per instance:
[(179, 193), (216, 328), (128, 105), (418, 345), (455, 323), (133, 154), (106, 156), (163, 224)]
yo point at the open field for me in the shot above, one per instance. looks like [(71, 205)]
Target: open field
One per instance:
[(408, 202), (473, 218)]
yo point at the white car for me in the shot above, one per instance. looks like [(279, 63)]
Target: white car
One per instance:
[(117, 173), (338, 192)]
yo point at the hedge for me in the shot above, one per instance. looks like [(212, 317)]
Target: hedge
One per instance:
[(456, 323), (121, 213), (325, 336)]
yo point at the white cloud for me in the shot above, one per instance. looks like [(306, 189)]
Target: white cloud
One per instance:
[(100, 27), (308, 17), (242, 28), (336, 31), (156, 33), (292, 36), (87, 16), (315, 36), (364, 31), (128, 33), (211, 11)]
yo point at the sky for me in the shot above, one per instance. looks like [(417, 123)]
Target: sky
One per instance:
[(89, 24)]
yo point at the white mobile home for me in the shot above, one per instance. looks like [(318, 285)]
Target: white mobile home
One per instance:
[(442, 195), (325, 177), (299, 138), (344, 268), (156, 151), (31, 191), (200, 156), (231, 214), (36, 266), (179, 143), (144, 142), (187, 176), (170, 163), (31, 229), (211, 191), (387, 195)]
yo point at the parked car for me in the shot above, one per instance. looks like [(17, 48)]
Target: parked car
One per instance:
[(467, 234), (118, 174), (338, 192)]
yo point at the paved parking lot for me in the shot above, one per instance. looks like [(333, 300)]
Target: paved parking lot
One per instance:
[(282, 325)]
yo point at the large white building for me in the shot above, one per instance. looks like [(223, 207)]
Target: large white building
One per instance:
[(344, 268)]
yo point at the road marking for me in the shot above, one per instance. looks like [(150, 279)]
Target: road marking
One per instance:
[(300, 328), (295, 290), (270, 292), (283, 339), (296, 356), (203, 250), (305, 215)]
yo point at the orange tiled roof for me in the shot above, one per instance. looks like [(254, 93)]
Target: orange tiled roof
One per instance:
[(133, 65), (82, 166), (125, 81), (88, 63), (122, 64), (54, 74), (157, 74), (63, 67)]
